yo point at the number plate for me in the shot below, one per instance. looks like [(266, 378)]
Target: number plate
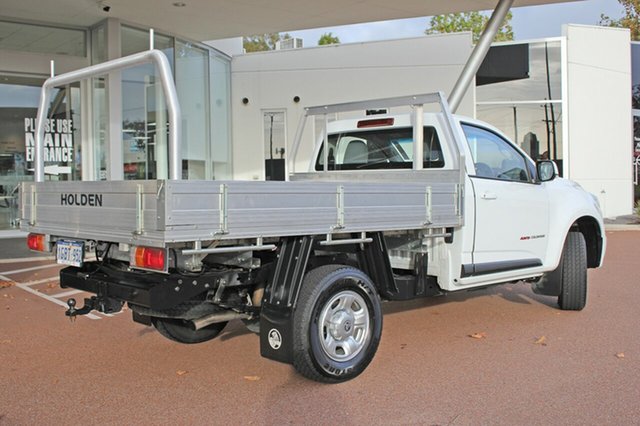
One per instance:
[(70, 252)]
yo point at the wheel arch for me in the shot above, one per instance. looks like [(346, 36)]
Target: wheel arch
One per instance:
[(295, 258), (589, 227)]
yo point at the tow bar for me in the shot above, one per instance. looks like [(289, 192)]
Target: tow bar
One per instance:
[(105, 305)]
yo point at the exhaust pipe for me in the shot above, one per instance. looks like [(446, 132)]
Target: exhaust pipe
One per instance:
[(217, 317)]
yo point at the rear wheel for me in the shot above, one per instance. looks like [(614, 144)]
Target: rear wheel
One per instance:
[(573, 294), (181, 331), (337, 324), (175, 323)]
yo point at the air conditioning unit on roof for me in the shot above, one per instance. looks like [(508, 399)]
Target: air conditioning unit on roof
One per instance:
[(289, 43)]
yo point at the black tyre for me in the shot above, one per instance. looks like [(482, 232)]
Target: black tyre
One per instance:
[(181, 331), (337, 324), (573, 294), (253, 325)]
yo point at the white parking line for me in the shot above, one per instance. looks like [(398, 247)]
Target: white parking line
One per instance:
[(50, 299), (33, 268), (42, 281), (27, 259), (44, 296)]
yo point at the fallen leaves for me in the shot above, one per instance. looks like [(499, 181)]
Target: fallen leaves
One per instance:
[(620, 355), (181, 372), (480, 335), (4, 342), (6, 284), (403, 345), (252, 378), (542, 341)]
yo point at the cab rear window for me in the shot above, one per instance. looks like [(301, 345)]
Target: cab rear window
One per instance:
[(379, 149)]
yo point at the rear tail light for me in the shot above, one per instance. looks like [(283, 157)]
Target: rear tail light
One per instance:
[(37, 242), (150, 258)]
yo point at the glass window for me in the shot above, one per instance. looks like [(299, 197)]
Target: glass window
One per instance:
[(220, 101), (144, 111), (635, 104), (544, 81), (202, 79), (42, 39), (192, 67), (536, 128), (100, 116), (494, 157), (134, 40), (529, 110), (635, 75), (99, 44), (19, 99), (380, 149)]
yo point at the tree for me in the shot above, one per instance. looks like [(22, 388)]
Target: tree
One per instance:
[(631, 18), (263, 42), (469, 21), (328, 38)]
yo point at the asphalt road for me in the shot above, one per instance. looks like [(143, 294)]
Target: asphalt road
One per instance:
[(532, 364)]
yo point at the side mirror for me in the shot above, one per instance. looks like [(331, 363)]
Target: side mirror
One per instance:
[(547, 170)]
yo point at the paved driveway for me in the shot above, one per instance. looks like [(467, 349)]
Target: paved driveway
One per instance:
[(532, 364)]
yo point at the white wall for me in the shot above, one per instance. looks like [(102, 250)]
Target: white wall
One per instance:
[(229, 46), (333, 74), (598, 151)]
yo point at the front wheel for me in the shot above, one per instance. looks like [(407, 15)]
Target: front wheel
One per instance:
[(573, 294), (337, 324), (568, 282)]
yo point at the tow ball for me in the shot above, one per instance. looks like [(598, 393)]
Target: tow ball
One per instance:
[(105, 305)]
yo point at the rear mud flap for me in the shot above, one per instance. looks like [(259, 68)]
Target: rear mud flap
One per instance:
[(276, 315), (276, 334)]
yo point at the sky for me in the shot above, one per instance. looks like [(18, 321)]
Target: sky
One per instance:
[(528, 23)]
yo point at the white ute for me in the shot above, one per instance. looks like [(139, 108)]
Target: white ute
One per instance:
[(392, 207)]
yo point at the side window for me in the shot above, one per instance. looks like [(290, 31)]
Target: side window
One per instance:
[(494, 157), (380, 149)]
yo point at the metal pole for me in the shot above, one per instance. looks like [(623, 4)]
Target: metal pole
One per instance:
[(546, 122), (553, 115), (478, 54), (418, 137), (271, 138), (515, 124)]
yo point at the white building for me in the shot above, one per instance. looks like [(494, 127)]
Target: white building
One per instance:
[(579, 110)]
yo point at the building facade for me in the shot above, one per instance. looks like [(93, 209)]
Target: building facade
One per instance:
[(568, 101), (112, 126)]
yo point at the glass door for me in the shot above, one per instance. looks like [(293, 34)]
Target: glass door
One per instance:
[(19, 98)]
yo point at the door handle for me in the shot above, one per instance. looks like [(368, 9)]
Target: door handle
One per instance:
[(489, 196)]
